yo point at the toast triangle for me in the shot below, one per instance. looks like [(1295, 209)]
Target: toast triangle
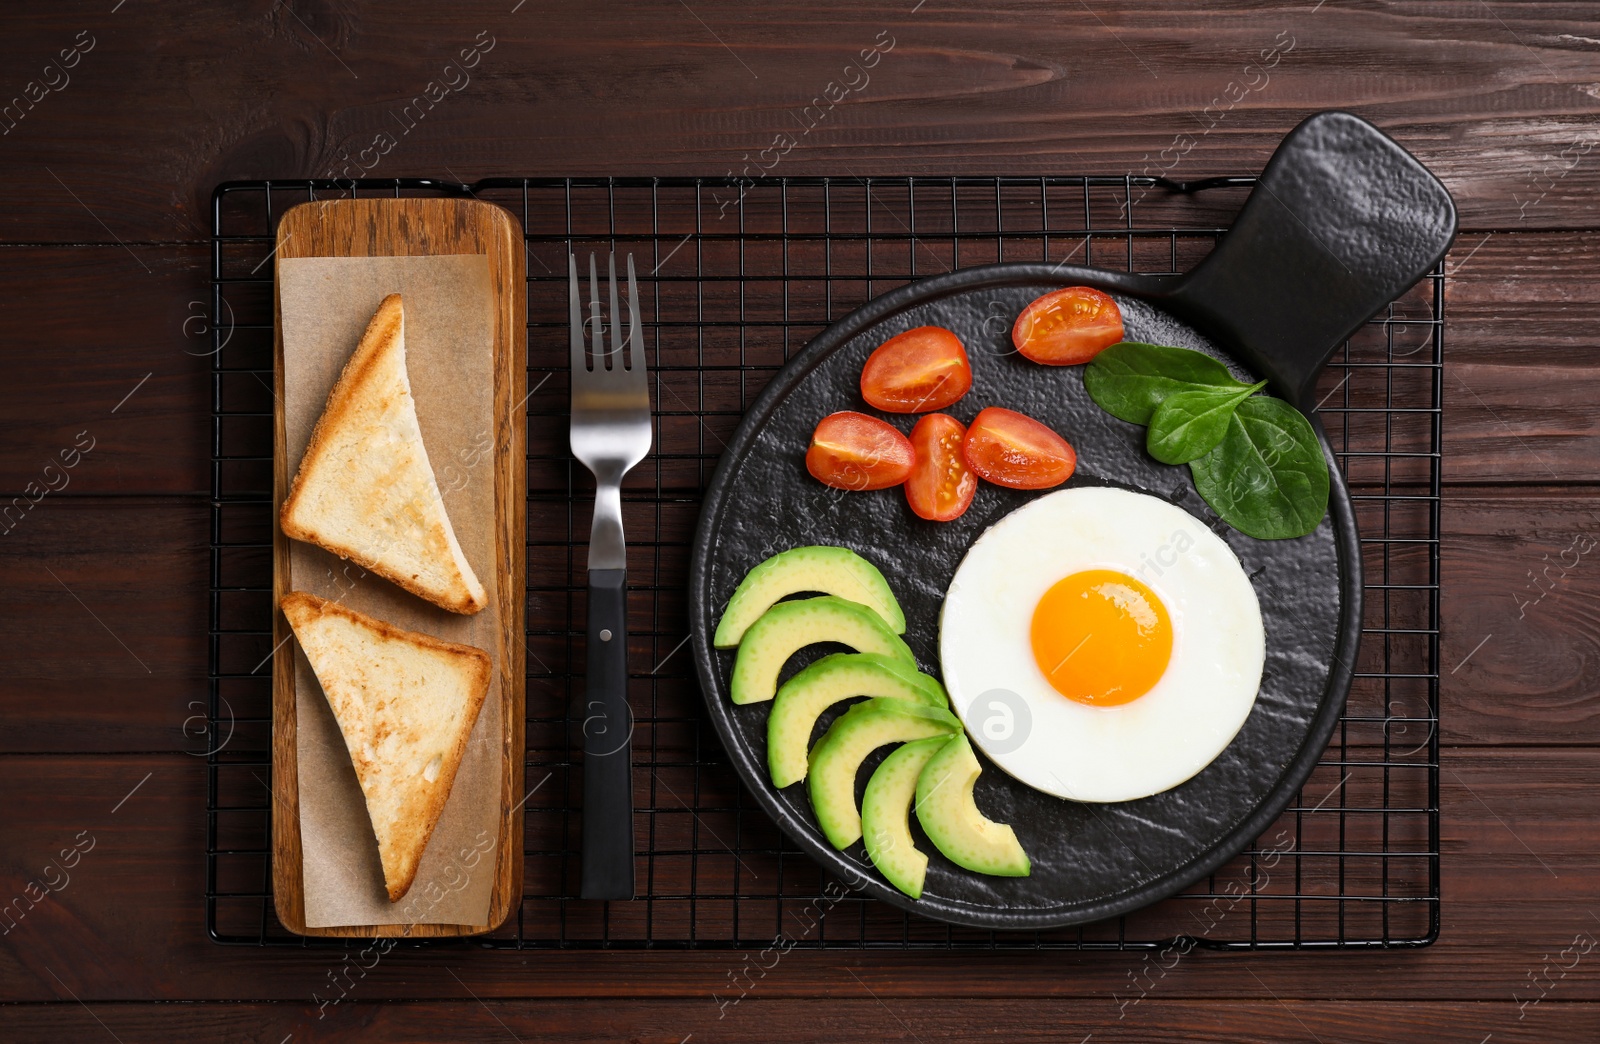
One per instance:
[(365, 489), (405, 703)]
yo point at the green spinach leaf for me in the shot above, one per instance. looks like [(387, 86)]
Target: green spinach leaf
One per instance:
[(1190, 424), (1130, 379), (1267, 478)]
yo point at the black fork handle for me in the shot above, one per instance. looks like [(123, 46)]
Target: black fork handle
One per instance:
[(1342, 221), (607, 743)]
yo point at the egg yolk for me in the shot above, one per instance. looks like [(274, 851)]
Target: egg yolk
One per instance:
[(1101, 637)]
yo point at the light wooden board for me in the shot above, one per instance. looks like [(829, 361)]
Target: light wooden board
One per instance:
[(409, 227)]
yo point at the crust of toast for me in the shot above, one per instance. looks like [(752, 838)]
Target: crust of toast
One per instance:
[(344, 405), (304, 611), (301, 601)]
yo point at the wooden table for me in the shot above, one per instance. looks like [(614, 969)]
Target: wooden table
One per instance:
[(130, 113)]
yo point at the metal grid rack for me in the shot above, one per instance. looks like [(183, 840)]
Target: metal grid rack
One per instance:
[(736, 277)]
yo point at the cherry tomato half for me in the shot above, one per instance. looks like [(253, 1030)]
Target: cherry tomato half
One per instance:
[(850, 450), (941, 485), (1067, 327), (919, 370), (1010, 449)]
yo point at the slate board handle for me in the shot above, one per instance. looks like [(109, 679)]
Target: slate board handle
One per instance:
[(1342, 221)]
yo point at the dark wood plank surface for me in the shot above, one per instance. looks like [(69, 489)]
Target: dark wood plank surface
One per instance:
[(821, 1021), (104, 251), (123, 679), (1523, 313), (1488, 95), (89, 661), (1518, 836), (101, 352)]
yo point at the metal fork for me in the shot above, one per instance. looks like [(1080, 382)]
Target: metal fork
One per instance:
[(610, 434)]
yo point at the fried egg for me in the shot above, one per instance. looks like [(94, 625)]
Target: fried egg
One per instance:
[(1101, 645)]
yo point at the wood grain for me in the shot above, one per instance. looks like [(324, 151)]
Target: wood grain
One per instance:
[(1488, 96), (388, 227), (1518, 834), (114, 173), (112, 344), (816, 1021), (1522, 637), (139, 564), (103, 626), (1521, 345), (1523, 359)]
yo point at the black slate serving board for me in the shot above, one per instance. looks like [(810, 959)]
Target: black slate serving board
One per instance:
[(1089, 861)]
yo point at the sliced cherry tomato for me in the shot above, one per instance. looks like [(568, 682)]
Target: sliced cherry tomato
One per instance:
[(1067, 327), (853, 451), (919, 370), (941, 485), (1010, 449)]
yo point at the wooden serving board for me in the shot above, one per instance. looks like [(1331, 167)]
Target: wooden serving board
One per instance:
[(411, 227)]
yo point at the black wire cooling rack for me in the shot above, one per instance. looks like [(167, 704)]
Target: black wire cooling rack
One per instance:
[(736, 277)]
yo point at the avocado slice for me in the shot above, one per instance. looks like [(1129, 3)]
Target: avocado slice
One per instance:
[(829, 570), (886, 813), (858, 732), (803, 698), (952, 821), (788, 627)]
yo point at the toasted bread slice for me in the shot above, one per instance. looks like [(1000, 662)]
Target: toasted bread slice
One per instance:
[(365, 489), (405, 703)]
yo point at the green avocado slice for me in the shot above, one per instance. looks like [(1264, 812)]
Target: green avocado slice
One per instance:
[(829, 570), (886, 814), (803, 698), (788, 627), (859, 731), (952, 821)]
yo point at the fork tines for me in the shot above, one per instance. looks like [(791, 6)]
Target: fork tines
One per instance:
[(614, 364)]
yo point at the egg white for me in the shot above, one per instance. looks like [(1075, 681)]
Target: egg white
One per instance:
[(1071, 749)]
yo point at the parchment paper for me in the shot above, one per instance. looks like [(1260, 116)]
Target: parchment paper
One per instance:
[(326, 303)]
